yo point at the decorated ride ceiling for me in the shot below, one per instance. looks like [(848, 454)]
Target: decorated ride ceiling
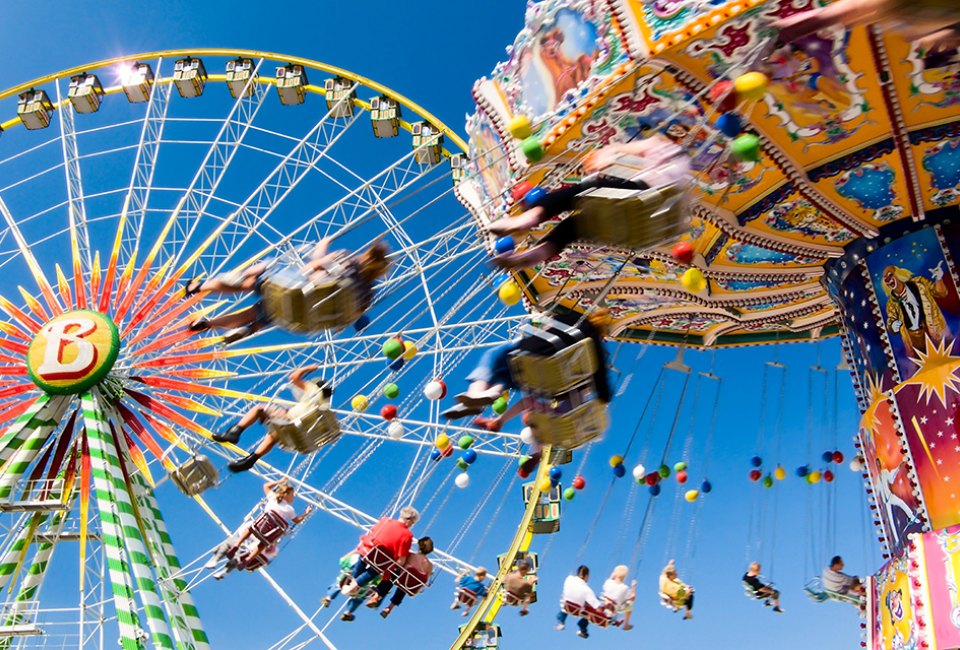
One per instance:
[(856, 135)]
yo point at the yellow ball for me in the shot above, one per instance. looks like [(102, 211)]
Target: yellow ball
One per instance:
[(751, 86), (519, 127), (545, 485), (779, 473), (509, 293), (409, 350), (691, 495), (813, 477), (693, 281), (442, 441), (616, 460), (360, 403)]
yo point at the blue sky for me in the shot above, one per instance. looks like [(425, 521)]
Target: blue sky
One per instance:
[(431, 52)]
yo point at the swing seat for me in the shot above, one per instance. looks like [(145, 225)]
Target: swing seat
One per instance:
[(466, 597), (599, 618), (752, 593), (817, 593), (307, 305), (670, 603), (318, 427), (269, 527), (572, 429), (262, 560), (410, 582), (615, 608), (634, 219), (557, 373), (560, 456), (516, 600), (195, 476)]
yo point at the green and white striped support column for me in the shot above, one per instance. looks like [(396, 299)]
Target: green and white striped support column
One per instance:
[(11, 559), (98, 434), (179, 599), (26, 437)]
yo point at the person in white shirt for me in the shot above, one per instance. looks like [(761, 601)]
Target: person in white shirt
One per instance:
[(835, 580), (576, 591), (619, 595), (280, 498)]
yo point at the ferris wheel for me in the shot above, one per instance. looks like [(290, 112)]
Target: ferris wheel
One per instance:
[(120, 181)]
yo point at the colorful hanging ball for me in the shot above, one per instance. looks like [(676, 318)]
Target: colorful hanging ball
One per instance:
[(388, 412), (361, 323), (652, 478), (838, 457), (755, 475), (681, 477), (395, 430), (359, 403), (520, 127), (691, 495), (746, 148), (723, 96), (638, 472), (616, 460), (654, 489), (525, 418), (523, 473), (462, 480), (526, 436), (435, 390), (664, 471), (500, 405), (556, 473), (730, 124), (409, 350), (827, 456), (435, 455), (756, 461), (802, 471), (518, 191), (856, 465), (545, 485), (706, 487), (447, 451), (779, 473), (391, 391), (393, 347), (532, 149), (462, 464), (768, 481), (509, 293), (828, 476), (569, 493), (619, 471), (523, 460), (396, 364), (534, 196), (751, 86), (693, 281), (442, 441), (679, 466), (465, 442), (682, 252), (579, 482), (470, 456), (504, 245), (814, 477)]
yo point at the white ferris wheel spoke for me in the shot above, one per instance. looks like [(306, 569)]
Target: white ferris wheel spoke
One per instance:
[(76, 210)]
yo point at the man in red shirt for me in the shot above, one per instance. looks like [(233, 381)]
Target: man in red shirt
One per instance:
[(392, 537)]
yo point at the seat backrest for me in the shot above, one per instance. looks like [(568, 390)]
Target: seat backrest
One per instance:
[(318, 427), (558, 373), (300, 304)]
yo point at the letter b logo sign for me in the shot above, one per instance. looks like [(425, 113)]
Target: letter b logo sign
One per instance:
[(72, 352)]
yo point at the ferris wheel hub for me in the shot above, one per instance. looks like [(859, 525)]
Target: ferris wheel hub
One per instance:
[(73, 352)]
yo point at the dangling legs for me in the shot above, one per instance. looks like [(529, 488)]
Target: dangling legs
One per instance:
[(563, 234), (495, 424), (256, 414), (228, 282)]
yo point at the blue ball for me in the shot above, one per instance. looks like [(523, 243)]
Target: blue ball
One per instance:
[(504, 245), (556, 473), (654, 489), (361, 323), (435, 455), (730, 124), (469, 457), (827, 456), (396, 364), (706, 487), (534, 196), (619, 471), (803, 471), (756, 461), (554, 482)]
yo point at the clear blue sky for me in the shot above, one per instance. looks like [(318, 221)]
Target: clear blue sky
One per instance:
[(432, 51)]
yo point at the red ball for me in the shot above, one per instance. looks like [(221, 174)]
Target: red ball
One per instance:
[(723, 97), (828, 476), (520, 190), (681, 477), (755, 475), (446, 453), (388, 412), (579, 482), (651, 479), (443, 385), (838, 457), (682, 252), (525, 418), (522, 473)]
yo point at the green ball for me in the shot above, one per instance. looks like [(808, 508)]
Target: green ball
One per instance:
[(500, 406), (465, 442), (569, 493), (462, 464), (664, 471), (768, 481), (532, 149), (393, 348), (746, 147), (391, 391), (679, 467), (523, 460)]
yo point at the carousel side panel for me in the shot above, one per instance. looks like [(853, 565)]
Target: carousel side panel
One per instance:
[(938, 566)]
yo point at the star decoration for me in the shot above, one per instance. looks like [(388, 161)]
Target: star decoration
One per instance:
[(937, 373)]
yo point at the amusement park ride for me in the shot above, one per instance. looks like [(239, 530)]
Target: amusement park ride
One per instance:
[(823, 202)]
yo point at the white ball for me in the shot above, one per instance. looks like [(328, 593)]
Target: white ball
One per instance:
[(639, 471), (395, 430), (433, 390), (526, 436), (856, 465), (462, 480)]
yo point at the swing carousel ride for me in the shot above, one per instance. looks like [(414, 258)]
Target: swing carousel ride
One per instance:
[(825, 180)]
